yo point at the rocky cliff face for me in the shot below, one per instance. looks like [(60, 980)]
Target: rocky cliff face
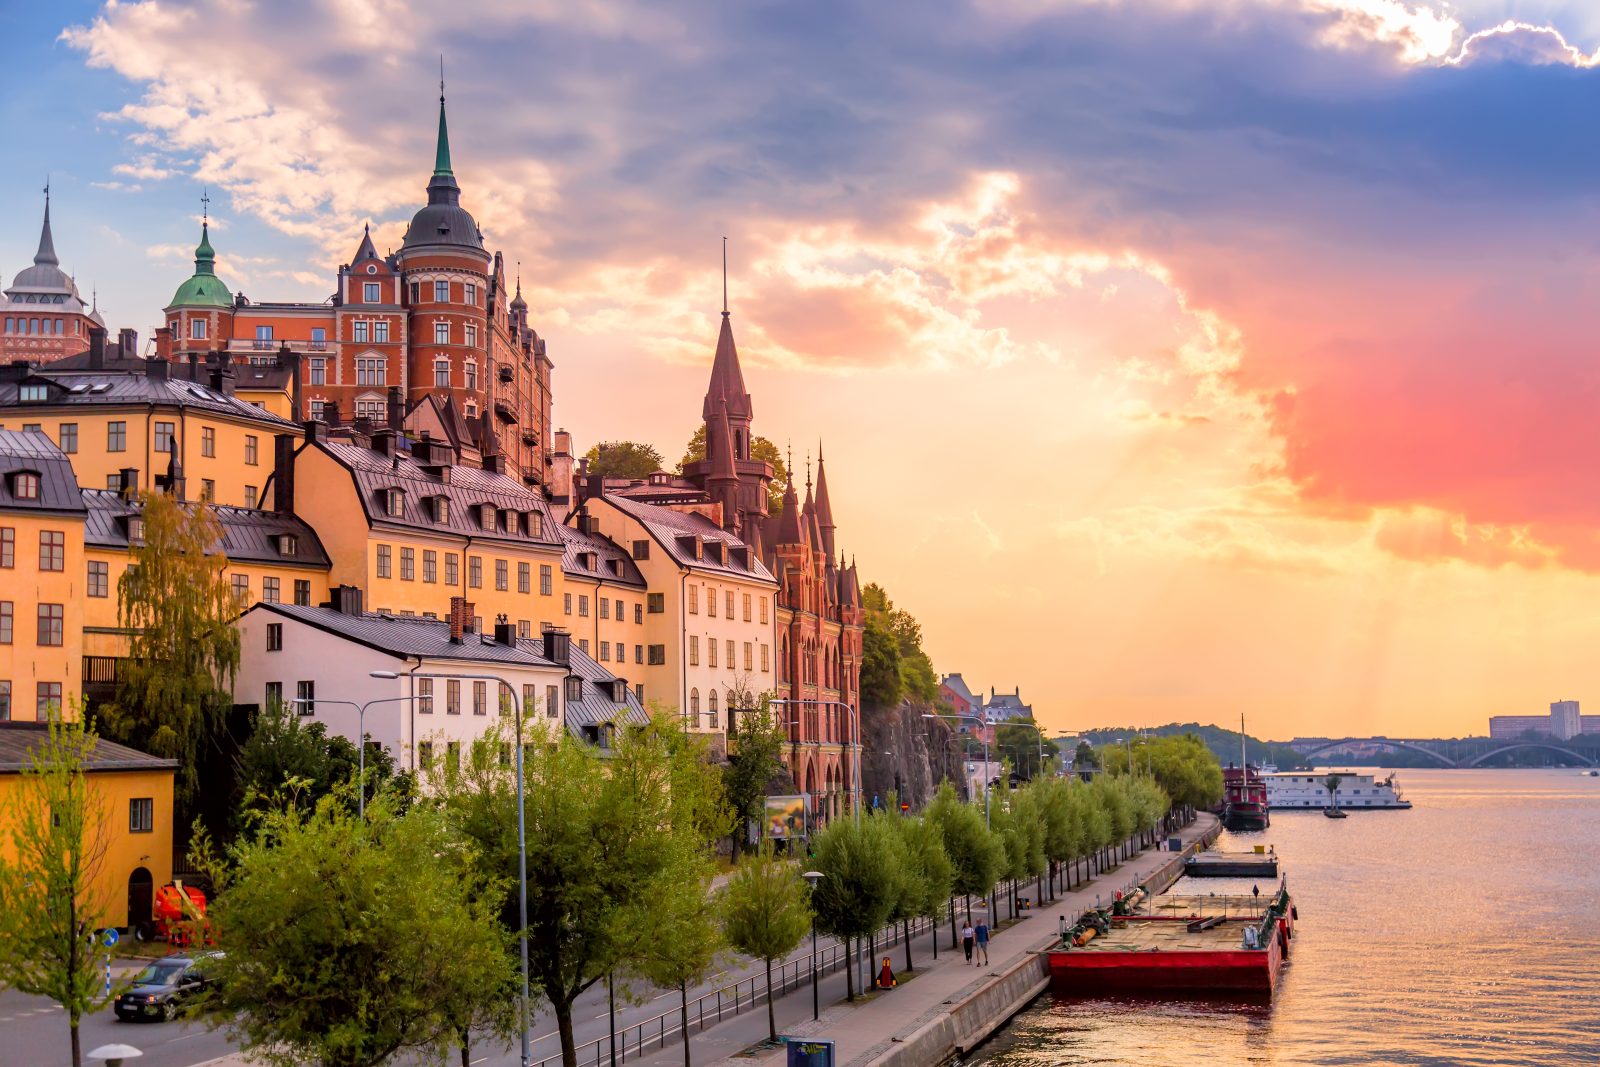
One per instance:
[(904, 753)]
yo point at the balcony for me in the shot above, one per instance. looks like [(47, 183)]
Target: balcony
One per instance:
[(507, 374), (263, 344), (530, 437)]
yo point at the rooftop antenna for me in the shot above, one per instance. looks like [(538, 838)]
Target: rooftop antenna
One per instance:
[(724, 275)]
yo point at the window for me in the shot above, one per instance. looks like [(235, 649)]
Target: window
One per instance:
[(250, 496), (408, 564), (5, 701), (430, 565), (747, 607), (475, 572), (471, 293), (380, 332), (263, 333), (208, 489), (566, 603), (694, 600), (694, 708), (8, 546), (694, 650), (25, 485), (638, 614), (471, 370), (370, 408), (371, 293), (208, 441), (605, 651), (394, 502), (502, 578), (711, 647), (6, 611), (552, 701), (274, 637), (452, 697), (385, 561), (252, 449), (766, 661), (729, 660), (141, 815), (441, 332), (763, 611), (51, 624), (471, 334), (441, 509), (425, 754), (241, 588), (369, 371), (425, 696), (269, 591), (749, 656), (33, 393), (583, 643), (416, 292), (583, 606), (164, 436), (729, 602), (68, 435), (524, 628), (605, 609), (441, 292), (658, 603), (711, 602), (47, 700), (524, 578), (641, 550), (116, 437), (711, 707), (319, 371), (358, 332), (52, 550), (546, 579), (480, 698), (305, 695), (197, 329), (441, 374), (302, 592), (638, 653), (452, 569), (574, 689)]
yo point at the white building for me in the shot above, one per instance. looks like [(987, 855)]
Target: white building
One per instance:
[(450, 685), (1564, 722)]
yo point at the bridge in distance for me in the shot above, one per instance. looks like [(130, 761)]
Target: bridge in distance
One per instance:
[(1463, 752)]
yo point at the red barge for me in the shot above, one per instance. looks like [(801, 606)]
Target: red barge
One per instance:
[(1188, 945)]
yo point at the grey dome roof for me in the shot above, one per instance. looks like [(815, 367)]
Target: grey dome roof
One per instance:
[(46, 275)]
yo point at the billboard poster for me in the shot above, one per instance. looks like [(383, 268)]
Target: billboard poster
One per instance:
[(786, 817)]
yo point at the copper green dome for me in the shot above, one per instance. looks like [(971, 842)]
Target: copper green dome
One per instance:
[(204, 289)]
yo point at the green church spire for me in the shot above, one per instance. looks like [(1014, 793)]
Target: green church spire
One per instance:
[(441, 157)]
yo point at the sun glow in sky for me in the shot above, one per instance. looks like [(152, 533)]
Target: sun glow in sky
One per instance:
[(1173, 359)]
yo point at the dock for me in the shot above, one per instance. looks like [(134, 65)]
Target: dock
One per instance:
[(1232, 865)]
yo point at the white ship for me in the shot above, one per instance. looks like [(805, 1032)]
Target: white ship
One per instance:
[(1291, 790)]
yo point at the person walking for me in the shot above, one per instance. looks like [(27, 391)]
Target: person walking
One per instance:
[(966, 939), (982, 936)]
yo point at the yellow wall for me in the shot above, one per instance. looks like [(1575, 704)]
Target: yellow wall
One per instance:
[(95, 466), (274, 401), (125, 851), (23, 662)]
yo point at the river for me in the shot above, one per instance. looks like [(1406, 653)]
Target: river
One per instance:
[(1465, 931)]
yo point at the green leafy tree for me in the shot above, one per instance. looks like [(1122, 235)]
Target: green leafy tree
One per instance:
[(881, 684), (624, 459), (685, 938), (977, 856), (766, 911), (348, 942), (1333, 782), (760, 448), (1084, 756), (52, 899), (1024, 745), (917, 677), (755, 758), (863, 870), (178, 607), (929, 874)]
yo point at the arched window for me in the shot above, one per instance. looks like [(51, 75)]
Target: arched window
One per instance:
[(711, 707), (694, 708)]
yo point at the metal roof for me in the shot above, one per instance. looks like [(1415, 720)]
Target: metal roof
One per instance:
[(33, 451), (401, 635), (612, 563), (596, 706), (249, 535), (79, 388), (666, 526), (18, 740)]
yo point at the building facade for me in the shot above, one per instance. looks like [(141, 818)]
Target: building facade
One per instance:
[(43, 318), (1564, 722)]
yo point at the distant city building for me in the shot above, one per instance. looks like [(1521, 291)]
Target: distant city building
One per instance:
[(45, 319), (1002, 707), (1562, 724)]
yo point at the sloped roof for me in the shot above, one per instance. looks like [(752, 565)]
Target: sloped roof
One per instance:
[(249, 535), (666, 526), (726, 391), (58, 486), (401, 635), (958, 685), (76, 388), (596, 707), (18, 740), (612, 563)]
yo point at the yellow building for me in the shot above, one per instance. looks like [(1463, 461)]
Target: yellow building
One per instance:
[(409, 527), (41, 578), (605, 604), (133, 792), (144, 417)]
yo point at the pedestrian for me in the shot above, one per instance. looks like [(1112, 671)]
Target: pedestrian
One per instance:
[(982, 935), (966, 938)]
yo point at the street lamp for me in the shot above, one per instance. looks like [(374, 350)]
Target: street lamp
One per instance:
[(361, 731), (812, 878), (980, 722)]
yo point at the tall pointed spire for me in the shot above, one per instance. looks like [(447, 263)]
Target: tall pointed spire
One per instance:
[(727, 380), (441, 154), (789, 520), (824, 507), (46, 256)]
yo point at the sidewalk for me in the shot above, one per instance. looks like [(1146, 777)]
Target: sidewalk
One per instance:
[(874, 1023)]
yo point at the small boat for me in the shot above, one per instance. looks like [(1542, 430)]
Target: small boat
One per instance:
[(1335, 813)]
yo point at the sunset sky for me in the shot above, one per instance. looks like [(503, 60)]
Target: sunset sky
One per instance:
[(1172, 359)]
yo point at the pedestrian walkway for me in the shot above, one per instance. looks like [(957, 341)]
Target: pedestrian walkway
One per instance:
[(861, 1031)]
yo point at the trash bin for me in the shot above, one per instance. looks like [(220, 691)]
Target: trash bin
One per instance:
[(1174, 844)]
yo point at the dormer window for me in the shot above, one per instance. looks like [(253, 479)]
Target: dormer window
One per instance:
[(25, 485), (135, 528), (586, 560), (288, 544), (574, 689), (513, 521), (487, 516), (619, 690), (535, 524), (394, 503), (699, 549), (441, 509), (33, 393)]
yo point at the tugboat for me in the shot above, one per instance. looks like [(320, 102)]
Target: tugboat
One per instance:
[(1244, 793)]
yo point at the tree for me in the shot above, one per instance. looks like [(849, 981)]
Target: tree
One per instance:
[(887, 624), (863, 869), (348, 941), (1084, 756), (755, 749), (684, 938), (632, 460), (178, 608), (976, 855), (760, 448), (1333, 781), (1023, 744), (766, 911), (881, 684), (929, 874), (51, 894)]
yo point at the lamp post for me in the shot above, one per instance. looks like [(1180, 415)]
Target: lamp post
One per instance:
[(980, 722), (812, 878), (361, 731)]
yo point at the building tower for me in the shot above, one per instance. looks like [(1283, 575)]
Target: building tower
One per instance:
[(200, 314), (44, 317)]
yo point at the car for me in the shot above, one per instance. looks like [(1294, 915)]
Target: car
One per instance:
[(159, 991)]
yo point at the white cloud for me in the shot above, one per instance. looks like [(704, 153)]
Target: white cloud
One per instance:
[(1521, 42)]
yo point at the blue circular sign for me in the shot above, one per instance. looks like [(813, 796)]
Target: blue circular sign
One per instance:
[(110, 936)]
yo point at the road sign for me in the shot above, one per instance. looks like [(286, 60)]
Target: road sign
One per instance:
[(109, 936)]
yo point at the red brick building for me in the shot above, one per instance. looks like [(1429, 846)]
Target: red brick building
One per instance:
[(44, 317)]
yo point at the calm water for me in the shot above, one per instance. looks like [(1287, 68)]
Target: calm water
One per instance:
[(1464, 931)]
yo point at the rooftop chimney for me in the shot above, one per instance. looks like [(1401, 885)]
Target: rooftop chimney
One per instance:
[(558, 647), (505, 633), (316, 430), (346, 599), (97, 348), (495, 464), (283, 446), (397, 409), (127, 343), (156, 370), (383, 442), (461, 615)]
